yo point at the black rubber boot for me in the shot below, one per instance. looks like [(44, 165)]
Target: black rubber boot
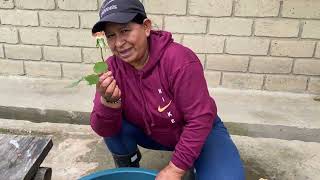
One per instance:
[(129, 160)]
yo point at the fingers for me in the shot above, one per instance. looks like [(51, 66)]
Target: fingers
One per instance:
[(104, 80), (110, 89), (107, 86), (119, 92), (116, 93), (103, 76)]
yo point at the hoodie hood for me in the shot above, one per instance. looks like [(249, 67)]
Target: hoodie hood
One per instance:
[(158, 43)]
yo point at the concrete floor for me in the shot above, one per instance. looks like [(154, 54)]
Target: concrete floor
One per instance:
[(77, 151)]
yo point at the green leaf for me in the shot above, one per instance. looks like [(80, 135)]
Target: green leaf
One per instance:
[(76, 83), (97, 43), (100, 67), (101, 43), (92, 79)]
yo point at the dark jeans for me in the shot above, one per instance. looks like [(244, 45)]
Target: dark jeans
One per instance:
[(218, 160)]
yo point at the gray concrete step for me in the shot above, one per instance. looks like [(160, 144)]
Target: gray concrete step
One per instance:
[(77, 151), (248, 113)]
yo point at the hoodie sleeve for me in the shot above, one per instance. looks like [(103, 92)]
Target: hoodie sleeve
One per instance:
[(105, 121), (199, 109)]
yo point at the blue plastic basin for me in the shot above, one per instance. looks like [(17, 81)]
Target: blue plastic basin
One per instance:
[(122, 174)]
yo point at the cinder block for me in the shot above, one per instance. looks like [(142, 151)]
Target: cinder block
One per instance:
[(19, 17), (177, 38), (286, 83), (314, 85), (277, 28), (292, 48), (76, 71), (212, 78), (157, 21), (64, 54), (100, 3), (6, 4), (71, 38), (257, 8), (204, 44), (247, 45), (43, 69), (39, 36), (87, 20), (226, 26), (1, 51), (35, 4), (317, 55), (92, 55), (202, 58), (214, 8), (242, 81), (301, 9), (270, 65), (9, 35), (78, 5), (59, 19), (311, 29), (11, 67), (178, 7), (307, 67), (227, 63), (191, 25), (26, 52)]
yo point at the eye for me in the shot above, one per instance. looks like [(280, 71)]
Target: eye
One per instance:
[(108, 36), (125, 30)]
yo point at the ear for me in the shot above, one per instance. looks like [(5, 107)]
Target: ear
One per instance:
[(147, 25)]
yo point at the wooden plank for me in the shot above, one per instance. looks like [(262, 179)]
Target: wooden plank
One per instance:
[(21, 156)]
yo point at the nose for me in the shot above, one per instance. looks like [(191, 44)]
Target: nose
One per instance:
[(119, 41)]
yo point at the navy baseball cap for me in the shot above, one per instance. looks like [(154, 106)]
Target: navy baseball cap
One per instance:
[(118, 11)]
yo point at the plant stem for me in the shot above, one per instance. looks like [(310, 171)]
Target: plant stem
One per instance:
[(101, 53)]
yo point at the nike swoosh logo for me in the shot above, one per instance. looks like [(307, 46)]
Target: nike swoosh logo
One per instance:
[(161, 109)]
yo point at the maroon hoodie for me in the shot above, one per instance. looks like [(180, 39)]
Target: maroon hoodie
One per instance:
[(168, 99)]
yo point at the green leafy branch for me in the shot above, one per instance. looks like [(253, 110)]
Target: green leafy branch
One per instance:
[(99, 67)]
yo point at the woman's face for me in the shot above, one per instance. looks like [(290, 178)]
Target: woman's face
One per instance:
[(129, 41)]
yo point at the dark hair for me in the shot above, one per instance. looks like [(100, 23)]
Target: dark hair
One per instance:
[(139, 18)]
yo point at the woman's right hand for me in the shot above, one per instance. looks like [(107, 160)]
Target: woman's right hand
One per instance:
[(108, 88)]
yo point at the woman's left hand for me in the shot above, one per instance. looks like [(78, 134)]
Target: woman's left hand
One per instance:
[(170, 172)]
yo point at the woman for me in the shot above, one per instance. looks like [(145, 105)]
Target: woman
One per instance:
[(155, 95)]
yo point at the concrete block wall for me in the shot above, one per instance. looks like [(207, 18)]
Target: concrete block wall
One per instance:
[(244, 44)]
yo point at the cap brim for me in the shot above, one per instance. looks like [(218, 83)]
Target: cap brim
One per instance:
[(119, 17)]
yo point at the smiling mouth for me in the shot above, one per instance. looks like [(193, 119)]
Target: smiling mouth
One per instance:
[(126, 53)]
